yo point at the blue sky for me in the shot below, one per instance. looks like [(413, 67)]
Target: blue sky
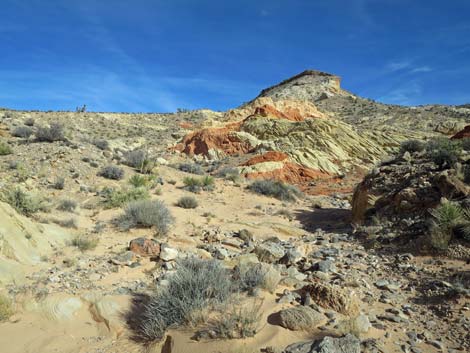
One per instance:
[(155, 55)]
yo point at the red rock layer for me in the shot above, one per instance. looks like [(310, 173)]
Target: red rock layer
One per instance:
[(271, 156), (266, 111), (462, 134)]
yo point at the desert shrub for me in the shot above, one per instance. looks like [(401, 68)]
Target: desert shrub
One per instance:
[(22, 131), (84, 242), (55, 132), (66, 223), (444, 152), (59, 183), (284, 212), (187, 202), (197, 184), (142, 181), (465, 142), (67, 205), (29, 122), (6, 309), (5, 149), (112, 172), (140, 160), (260, 275), (412, 146), (102, 144), (237, 322), (229, 173), (23, 202), (192, 168), (446, 218), (277, 189), (196, 285), (117, 198), (147, 213)]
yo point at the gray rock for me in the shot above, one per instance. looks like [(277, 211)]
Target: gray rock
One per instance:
[(325, 266), (300, 318), (269, 251), (346, 344)]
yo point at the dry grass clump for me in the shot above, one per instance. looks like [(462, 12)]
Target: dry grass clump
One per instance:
[(85, 242), (187, 202), (147, 213), (277, 189), (52, 133), (196, 285)]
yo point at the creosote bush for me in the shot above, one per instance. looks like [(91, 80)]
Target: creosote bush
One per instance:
[(196, 285), (5, 149), (112, 172), (277, 189), (444, 152), (55, 132), (22, 132), (119, 197), (147, 213), (187, 202), (22, 202), (412, 146)]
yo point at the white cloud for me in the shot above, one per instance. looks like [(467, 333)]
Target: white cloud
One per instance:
[(421, 69), (404, 95)]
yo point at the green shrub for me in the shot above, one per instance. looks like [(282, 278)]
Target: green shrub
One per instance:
[(412, 146), (147, 213), (117, 198), (84, 242), (6, 309), (22, 131), (55, 132), (67, 205), (277, 189), (23, 202), (5, 149), (197, 184), (192, 168), (112, 172), (196, 285), (444, 152), (142, 181), (187, 202)]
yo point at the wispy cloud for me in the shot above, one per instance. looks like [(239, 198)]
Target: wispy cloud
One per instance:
[(398, 65), (406, 94), (421, 69)]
